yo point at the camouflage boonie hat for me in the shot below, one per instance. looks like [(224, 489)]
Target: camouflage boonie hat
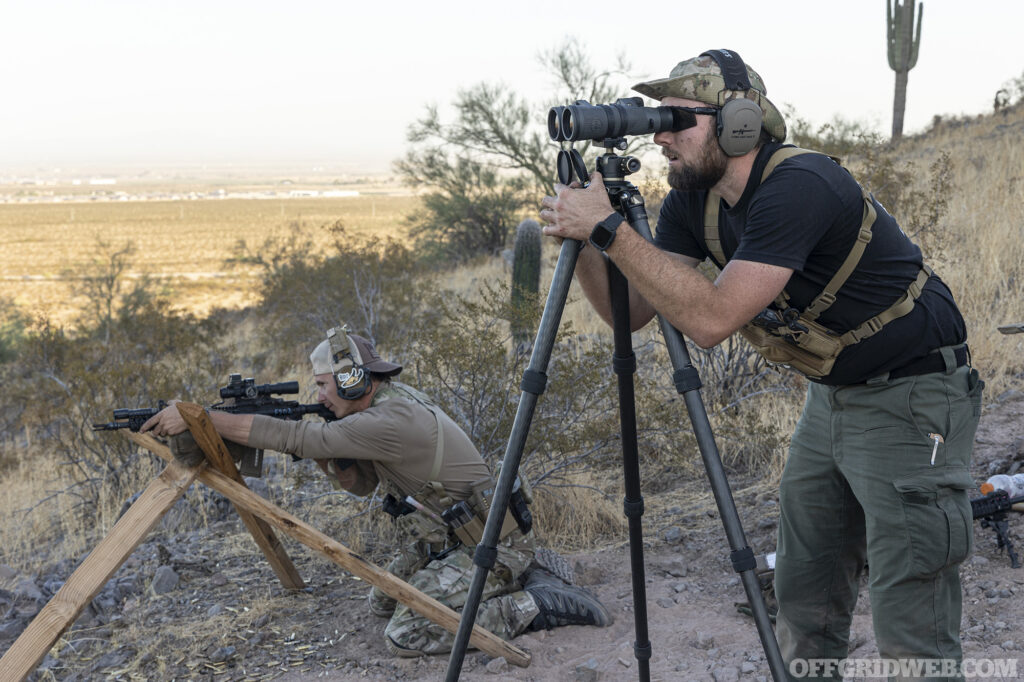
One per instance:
[(701, 79)]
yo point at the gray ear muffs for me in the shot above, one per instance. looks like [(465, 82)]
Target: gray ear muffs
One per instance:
[(739, 120), (739, 126), (353, 384), (353, 381)]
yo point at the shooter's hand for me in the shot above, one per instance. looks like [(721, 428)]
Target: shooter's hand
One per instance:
[(166, 422), (574, 210)]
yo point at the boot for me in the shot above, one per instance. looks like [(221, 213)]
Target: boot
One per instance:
[(562, 604)]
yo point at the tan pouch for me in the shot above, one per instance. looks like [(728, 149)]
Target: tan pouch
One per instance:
[(814, 356), (483, 493)]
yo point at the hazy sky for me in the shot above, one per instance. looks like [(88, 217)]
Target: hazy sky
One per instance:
[(105, 82)]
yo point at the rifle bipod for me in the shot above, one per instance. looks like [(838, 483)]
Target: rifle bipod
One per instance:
[(626, 197)]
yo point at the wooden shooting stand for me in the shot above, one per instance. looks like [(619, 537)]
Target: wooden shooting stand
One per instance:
[(259, 516)]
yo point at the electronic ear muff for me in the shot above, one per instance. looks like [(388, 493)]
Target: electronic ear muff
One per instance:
[(347, 365), (739, 119)]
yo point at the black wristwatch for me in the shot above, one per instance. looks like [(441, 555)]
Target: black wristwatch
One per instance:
[(603, 234)]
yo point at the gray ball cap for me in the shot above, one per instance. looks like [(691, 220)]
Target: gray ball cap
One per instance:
[(364, 354), (701, 79)]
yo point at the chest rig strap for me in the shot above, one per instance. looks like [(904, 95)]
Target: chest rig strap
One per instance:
[(828, 344)]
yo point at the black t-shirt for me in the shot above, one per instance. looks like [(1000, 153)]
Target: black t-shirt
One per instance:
[(806, 216)]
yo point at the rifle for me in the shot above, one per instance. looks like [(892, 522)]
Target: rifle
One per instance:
[(992, 510), (246, 397)]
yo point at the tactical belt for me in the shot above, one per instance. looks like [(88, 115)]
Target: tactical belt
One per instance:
[(933, 362)]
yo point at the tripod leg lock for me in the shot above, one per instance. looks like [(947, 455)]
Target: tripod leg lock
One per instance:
[(686, 379), (624, 364), (642, 651), (485, 557), (633, 508), (533, 382), (743, 560)]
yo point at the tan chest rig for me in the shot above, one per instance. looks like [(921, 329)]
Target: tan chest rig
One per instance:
[(787, 336), (431, 515)]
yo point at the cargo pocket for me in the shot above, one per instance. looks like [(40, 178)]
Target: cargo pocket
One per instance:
[(938, 518)]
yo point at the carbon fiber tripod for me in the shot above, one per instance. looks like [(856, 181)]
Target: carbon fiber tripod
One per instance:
[(626, 199)]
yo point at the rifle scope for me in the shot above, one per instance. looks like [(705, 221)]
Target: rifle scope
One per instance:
[(239, 388), (627, 116)]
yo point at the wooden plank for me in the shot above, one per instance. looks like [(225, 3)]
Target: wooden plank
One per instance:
[(398, 589), (217, 453), (89, 578)]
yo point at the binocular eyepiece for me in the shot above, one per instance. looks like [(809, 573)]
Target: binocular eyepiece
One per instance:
[(627, 116)]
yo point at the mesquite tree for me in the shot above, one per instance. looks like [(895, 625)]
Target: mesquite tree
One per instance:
[(903, 46)]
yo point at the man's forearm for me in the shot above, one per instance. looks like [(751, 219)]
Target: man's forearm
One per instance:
[(234, 427), (707, 312)]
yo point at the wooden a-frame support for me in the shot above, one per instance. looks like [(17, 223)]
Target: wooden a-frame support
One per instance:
[(162, 493)]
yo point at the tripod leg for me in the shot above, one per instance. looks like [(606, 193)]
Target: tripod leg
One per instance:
[(624, 363), (533, 384), (688, 384)]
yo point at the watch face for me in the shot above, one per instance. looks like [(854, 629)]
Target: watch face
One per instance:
[(602, 237), (603, 233)]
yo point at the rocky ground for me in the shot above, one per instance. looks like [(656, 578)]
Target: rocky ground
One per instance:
[(201, 604)]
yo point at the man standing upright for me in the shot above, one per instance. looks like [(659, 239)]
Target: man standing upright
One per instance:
[(820, 278)]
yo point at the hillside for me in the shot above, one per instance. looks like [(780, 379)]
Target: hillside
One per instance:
[(225, 617)]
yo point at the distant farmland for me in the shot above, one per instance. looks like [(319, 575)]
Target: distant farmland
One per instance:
[(184, 243)]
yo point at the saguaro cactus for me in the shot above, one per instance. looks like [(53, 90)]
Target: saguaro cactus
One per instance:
[(525, 274), (903, 47)]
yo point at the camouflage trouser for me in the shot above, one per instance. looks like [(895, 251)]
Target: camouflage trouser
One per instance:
[(504, 610)]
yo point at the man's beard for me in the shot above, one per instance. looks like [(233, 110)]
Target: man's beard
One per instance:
[(705, 173)]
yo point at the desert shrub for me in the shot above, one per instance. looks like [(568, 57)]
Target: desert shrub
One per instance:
[(494, 158), (373, 285), (128, 350), (13, 322)]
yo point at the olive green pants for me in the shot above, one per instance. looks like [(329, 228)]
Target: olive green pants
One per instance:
[(861, 487)]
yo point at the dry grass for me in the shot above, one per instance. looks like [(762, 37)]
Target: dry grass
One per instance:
[(986, 270), (184, 243)]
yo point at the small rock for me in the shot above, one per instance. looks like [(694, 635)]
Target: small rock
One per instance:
[(497, 665), (6, 572), (747, 667), (222, 654), (704, 640), (588, 671), (110, 660), (665, 603), (677, 569), (680, 587), (12, 628), (1008, 645), (164, 580), (979, 560), (726, 673), (26, 587), (215, 610), (673, 535)]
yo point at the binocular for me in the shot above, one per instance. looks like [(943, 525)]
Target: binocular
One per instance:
[(626, 116)]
